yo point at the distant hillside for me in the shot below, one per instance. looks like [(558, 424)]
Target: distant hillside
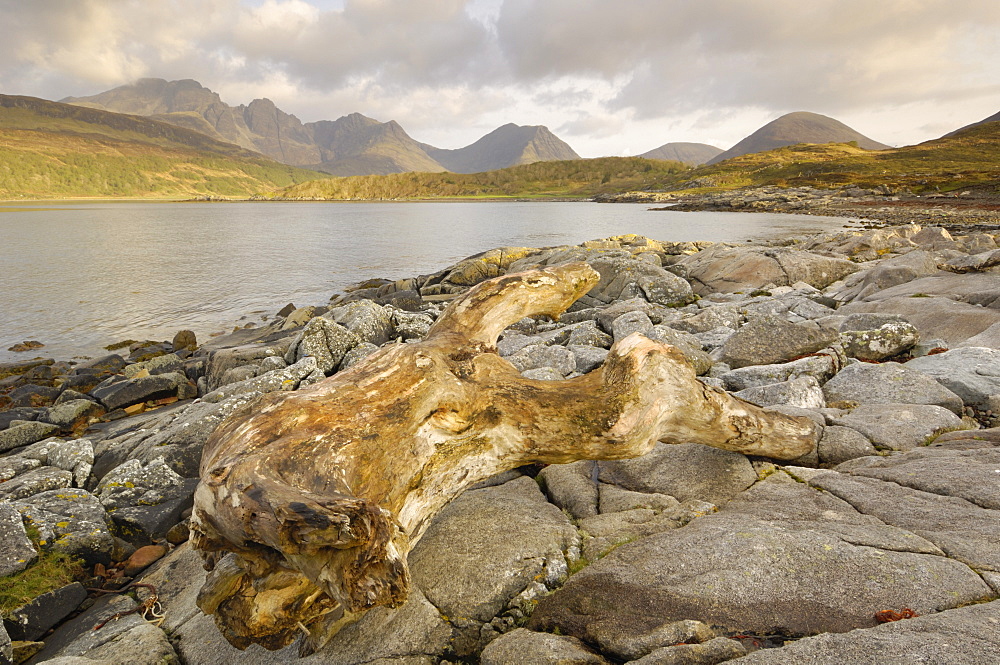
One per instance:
[(580, 178), (351, 145), (694, 154), (993, 118), (509, 145), (799, 127), (260, 126), (964, 159), (48, 149)]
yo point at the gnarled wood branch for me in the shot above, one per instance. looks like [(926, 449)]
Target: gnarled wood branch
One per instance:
[(309, 501)]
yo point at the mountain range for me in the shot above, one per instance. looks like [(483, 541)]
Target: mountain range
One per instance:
[(351, 145), (358, 145)]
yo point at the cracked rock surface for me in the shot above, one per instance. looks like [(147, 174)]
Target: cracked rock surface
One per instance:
[(740, 560)]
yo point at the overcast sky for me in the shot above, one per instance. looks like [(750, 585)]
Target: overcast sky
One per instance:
[(608, 77)]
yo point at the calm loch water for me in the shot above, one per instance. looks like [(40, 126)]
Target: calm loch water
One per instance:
[(79, 276)]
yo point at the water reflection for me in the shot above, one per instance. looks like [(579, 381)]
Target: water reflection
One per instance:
[(80, 276)]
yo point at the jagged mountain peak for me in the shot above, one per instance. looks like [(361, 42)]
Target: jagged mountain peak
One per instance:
[(354, 144)]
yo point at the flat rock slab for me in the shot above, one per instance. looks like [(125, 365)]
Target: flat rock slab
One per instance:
[(900, 426), (767, 340), (71, 521), (972, 373), (958, 287), (135, 391), (936, 317), (889, 383), (963, 636), (740, 573), (685, 471), (963, 530), (973, 475), (34, 482), (736, 269), (526, 647), (77, 636), (29, 622), (487, 546)]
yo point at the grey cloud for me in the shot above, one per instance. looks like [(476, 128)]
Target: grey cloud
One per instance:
[(459, 61), (586, 124), (402, 45), (565, 97), (825, 54)]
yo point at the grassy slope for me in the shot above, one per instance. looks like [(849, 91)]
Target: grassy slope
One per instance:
[(51, 150), (968, 158), (580, 178)]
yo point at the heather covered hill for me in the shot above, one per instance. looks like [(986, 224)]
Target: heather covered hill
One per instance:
[(958, 161), (695, 154), (579, 178), (48, 149), (993, 118), (799, 127), (259, 126)]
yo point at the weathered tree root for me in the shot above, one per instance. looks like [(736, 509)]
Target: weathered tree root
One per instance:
[(309, 501)]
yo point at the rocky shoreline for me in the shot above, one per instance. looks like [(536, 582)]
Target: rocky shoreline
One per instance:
[(880, 546), (976, 209)]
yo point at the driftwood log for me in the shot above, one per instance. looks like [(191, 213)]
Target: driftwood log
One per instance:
[(309, 501)]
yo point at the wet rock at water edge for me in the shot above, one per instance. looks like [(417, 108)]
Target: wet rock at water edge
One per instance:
[(184, 340), (27, 345), (32, 395), (126, 393), (20, 367)]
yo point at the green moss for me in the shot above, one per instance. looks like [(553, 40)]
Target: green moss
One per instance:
[(51, 571), (793, 476), (577, 565)]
